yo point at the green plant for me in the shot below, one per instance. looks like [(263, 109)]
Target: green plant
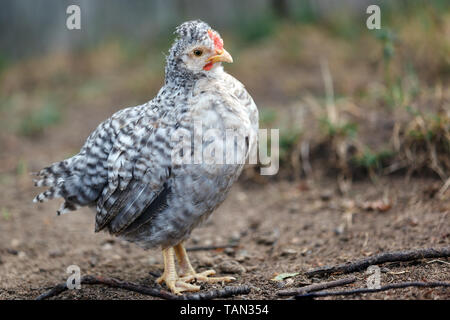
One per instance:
[(372, 160), (6, 214), (267, 117), (22, 167), (345, 129), (37, 120), (344, 25), (288, 140), (306, 13)]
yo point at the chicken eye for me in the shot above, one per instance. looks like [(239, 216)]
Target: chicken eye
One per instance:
[(198, 52)]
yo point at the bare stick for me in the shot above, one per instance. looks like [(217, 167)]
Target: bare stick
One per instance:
[(154, 292), (367, 290), (395, 256), (226, 292), (110, 282), (316, 287)]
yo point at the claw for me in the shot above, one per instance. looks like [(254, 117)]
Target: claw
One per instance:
[(177, 285)]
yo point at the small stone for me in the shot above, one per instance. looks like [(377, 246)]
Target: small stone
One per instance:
[(152, 260), (124, 244), (93, 261), (288, 252), (208, 242), (195, 239), (55, 253), (231, 266), (252, 268), (229, 251), (254, 224), (15, 243), (235, 236), (241, 196), (22, 255), (294, 208), (326, 195), (205, 261), (242, 255), (339, 229), (268, 239), (305, 252), (107, 246)]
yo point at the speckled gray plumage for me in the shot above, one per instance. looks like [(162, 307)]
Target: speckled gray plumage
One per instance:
[(125, 169)]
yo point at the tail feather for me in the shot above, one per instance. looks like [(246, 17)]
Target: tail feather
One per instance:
[(51, 193), (68, 179), (54, 177)]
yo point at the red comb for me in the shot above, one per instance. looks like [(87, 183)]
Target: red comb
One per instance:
[(218, 42)]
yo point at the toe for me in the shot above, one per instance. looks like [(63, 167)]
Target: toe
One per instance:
[(207, 273), (184, 286), (177, 285), (201, 276), (205, 277), (220, 279)]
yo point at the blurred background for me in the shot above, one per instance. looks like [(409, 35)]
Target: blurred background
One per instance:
[(375, 100), (351, 104)]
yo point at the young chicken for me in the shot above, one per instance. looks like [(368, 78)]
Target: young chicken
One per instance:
[(126, 170)]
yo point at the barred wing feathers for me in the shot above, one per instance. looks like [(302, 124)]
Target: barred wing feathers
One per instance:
[(119, 170)]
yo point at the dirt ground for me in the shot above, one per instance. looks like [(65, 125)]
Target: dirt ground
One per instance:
[(280, 227)]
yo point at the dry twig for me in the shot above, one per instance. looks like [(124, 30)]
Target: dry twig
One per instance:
[(316, 287), (367, 290), (226, 292), (154, 292), (395, 256)]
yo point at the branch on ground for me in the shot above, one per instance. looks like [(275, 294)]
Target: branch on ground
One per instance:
[(395, 256), (316, 287), (367, 290), (228, 291)]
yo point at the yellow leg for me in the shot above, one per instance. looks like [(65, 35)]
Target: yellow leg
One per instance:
[(170, 277), (187, 272)]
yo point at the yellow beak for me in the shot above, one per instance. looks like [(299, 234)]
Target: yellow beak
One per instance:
[(221, 56)]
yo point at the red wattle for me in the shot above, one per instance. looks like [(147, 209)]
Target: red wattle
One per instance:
[(208, 66)]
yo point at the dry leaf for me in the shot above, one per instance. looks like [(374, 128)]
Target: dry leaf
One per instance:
[(283, 276)]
